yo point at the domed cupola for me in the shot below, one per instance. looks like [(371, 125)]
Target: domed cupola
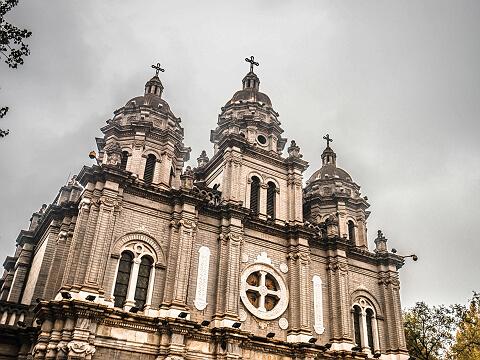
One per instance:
[(249, 115), (146, 138), (331, 190)]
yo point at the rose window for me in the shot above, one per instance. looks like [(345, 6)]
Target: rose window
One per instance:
[(264, 292)]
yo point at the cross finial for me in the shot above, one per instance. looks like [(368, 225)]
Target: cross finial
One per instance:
[(252, 62), (329, 139), (157, 69)]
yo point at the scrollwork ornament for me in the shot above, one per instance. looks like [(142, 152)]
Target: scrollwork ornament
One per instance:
[(235, 238), (80, 347)]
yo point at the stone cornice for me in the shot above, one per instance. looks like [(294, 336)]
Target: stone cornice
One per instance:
[(53, 212)]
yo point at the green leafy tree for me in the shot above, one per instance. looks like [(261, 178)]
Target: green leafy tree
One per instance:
[(430, 330), (467, 339), (13, 49)]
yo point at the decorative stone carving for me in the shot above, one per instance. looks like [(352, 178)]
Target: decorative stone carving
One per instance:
[(263, 258), (200, 301), (263, 291), (114, 154), (244, 258), (242, 314), (80, 347), (284, 268), (318, 305), (283, 323)]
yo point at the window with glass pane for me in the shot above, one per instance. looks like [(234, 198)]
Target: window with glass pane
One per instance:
[(356, 324), (271, 192), (123, 164), (123, 277), (142, 281), (149, 169), (351, 230), (255, 195), (369, 328)]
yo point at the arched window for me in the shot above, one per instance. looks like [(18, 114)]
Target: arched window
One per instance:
[(351, 231), (370, 328), (357, 314), (255, 195), (271, 193), (149, 168), (123, 163), (365, 325), (123, 277), (142, 281)]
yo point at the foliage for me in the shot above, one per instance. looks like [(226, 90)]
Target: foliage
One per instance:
[(12, 46), (467, 340), (429, 330)]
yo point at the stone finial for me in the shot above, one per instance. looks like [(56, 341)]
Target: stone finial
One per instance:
[(294, 150), (72, 181), (202, 159), (380, 243), (43, 209), (187, 178)]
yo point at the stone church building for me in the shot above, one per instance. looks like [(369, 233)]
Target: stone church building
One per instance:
[(142, 257)]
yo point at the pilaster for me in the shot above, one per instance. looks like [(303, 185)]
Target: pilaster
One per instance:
[(230, 244), (300, 290), (21, 271), (340, 314), (108, 207)]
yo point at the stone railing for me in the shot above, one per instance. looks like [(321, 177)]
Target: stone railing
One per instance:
[(13, 314)]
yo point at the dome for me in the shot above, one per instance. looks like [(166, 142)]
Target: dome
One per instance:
[(330, 171), (150, 100), (250, 92), (250, 95)]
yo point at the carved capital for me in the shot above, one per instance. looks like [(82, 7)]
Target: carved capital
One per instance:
[(188, 224), (337, 265)]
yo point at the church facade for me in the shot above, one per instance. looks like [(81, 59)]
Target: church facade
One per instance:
[(142, 257)]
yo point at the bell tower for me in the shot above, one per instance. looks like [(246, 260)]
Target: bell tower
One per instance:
[(330, 191), (248, 166), (145, 138)]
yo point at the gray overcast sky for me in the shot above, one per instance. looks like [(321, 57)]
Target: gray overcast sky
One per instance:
[(396, 84)]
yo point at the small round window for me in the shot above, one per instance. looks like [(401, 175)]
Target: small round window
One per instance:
[(262, 140), (263, 292)]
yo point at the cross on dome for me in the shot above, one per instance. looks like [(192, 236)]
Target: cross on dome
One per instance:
[(329, 139), (252, 62), (157, 68)]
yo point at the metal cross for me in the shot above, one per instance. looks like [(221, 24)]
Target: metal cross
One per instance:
[(329, 139), (252, 62), (157, 69)]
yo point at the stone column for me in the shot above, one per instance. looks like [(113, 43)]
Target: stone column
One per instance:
[(132, 284), (294, 196), (340, 314), (300, 291), (364, 331), (40, 348), (262, 211), (230, 244), (21, 271), (164, 169), (232, 175), (55, 337), (77, 242), (390, 286), (102, 237), (187, 234)]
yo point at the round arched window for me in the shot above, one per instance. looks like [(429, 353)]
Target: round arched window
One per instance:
[(263, 291)]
